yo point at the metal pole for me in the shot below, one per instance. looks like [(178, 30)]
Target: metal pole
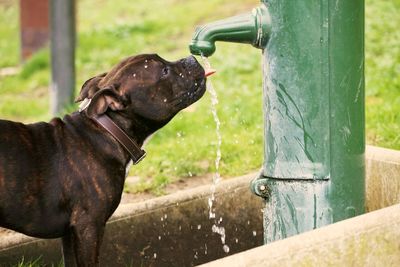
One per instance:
[(314, 169), (62, 17)]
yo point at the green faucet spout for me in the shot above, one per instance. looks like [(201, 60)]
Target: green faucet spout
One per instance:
[(251, 28)]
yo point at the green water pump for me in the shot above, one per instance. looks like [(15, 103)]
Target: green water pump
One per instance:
[(313, 51)]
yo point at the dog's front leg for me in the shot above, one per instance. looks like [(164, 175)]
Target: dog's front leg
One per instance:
[(86, 242), (68, 250)]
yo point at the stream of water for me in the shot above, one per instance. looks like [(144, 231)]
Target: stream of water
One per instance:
[(217, 226)]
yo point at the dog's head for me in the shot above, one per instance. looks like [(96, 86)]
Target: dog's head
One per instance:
[(146, 86)]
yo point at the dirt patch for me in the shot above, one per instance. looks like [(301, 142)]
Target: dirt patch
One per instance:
[(9, 71), (169, 189)]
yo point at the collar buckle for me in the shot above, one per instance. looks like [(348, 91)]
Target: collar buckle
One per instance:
[(85, 103), (144, 154)]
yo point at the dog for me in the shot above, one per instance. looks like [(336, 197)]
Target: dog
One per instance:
[(65, 178)]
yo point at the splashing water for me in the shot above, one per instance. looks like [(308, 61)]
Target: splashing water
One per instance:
[(216, 228)]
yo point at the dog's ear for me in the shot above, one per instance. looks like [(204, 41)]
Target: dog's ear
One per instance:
[(107, 98), (90, 88)]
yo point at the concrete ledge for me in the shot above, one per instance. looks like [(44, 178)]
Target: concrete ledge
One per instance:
[(372, 239), (383, 177)]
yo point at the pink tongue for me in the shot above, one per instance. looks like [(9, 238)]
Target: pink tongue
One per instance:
[(209, 72)]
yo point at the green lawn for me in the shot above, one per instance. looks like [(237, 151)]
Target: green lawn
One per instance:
[(111, 30)]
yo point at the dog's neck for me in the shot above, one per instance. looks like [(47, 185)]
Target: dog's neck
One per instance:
[(138, 130), (131, 146), (135, 127)]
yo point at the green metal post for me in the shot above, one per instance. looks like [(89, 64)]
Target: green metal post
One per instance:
[(313, 172)]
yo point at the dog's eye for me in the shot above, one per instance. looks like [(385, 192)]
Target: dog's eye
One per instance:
[(165, 71)]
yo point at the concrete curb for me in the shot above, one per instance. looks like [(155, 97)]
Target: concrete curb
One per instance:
[(383, 177), (371, 239)]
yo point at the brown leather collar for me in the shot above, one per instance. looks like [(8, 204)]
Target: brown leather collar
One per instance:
[(134, 150)]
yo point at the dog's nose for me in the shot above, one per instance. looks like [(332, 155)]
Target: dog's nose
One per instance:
[(192, 66), (190, 62)]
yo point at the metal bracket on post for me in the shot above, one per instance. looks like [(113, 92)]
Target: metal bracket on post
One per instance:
[(260, 188)]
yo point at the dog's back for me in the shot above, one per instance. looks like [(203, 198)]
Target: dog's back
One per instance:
[(23, 171)]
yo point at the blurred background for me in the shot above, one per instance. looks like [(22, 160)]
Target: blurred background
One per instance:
[(108, 31)]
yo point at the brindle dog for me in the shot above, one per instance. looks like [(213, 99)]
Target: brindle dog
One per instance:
[(65, 178)]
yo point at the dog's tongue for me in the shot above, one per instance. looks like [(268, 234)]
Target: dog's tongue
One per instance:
[(209, 72)]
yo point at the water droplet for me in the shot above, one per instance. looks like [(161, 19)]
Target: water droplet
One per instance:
[(226, 248), (219, 230), (212, 215)]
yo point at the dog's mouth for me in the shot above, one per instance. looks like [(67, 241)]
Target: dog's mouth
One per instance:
[(198, 89), (194, 93)]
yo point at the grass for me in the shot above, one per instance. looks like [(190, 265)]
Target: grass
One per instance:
[(383, 73), (9, 33), (23, 263), (36, 263), (111, 30)]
